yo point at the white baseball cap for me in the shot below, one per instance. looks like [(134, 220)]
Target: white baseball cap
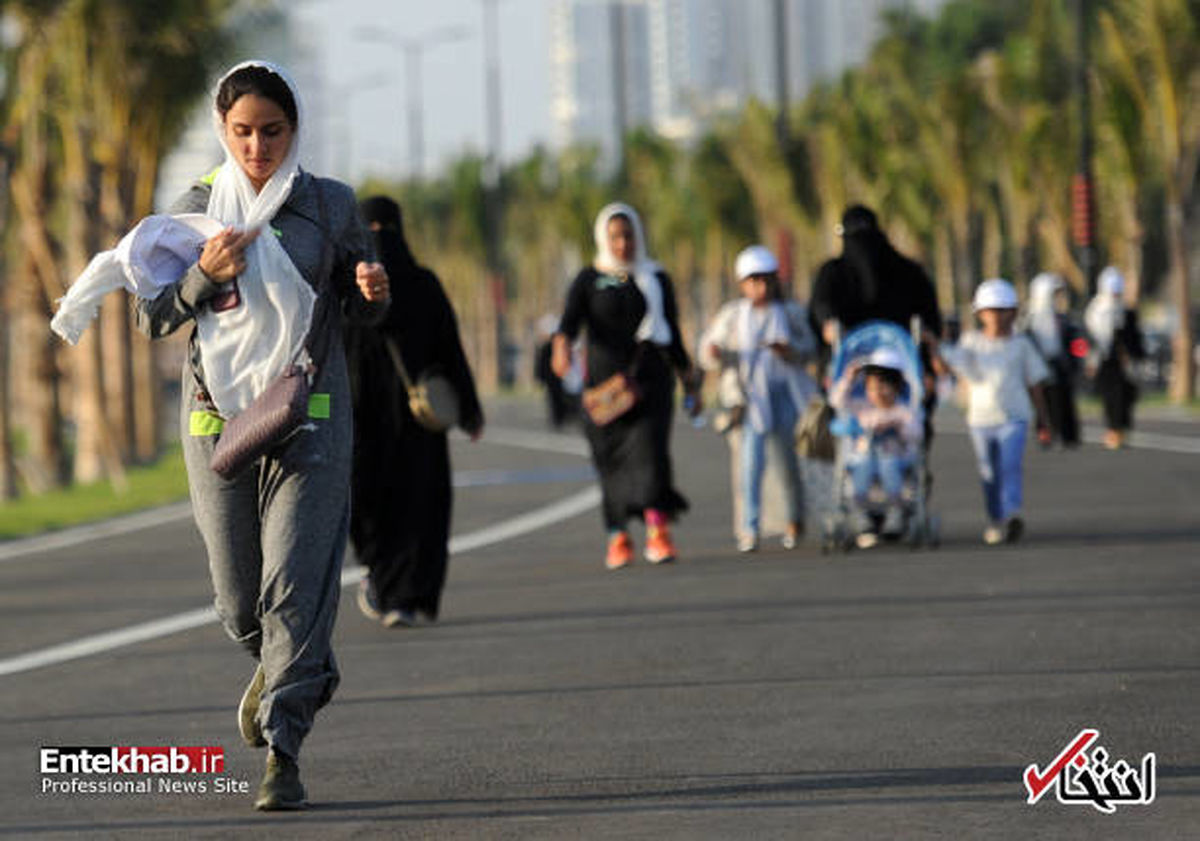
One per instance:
[(757, 259), (886, 357), (995, 294)]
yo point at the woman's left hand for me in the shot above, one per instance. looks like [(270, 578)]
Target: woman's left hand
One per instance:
[(372, 282)]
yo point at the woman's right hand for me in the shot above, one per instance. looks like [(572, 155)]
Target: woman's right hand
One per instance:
[(560, 356), (224, 255)]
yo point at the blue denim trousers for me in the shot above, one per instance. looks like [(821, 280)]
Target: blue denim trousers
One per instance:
[(781, 436), (888, 468), (1000, 451)]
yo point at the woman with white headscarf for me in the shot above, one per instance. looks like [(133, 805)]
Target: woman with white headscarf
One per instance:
[(625, 303), (1116, 344), (1054, 334), (268, 292)]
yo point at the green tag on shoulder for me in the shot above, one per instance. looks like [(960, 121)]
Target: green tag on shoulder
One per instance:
[(318, 406), (202, 424)]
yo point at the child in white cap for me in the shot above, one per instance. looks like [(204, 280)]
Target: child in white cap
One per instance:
[(1004, 373), (757, 339), (888, 431)]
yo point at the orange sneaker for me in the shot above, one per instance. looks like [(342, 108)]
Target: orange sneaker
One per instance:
[(659, 547), (620, 551)]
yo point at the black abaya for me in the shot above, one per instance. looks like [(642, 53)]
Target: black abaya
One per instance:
[(402, 494), (631, 454)]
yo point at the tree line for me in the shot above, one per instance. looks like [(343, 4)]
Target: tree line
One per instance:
[(961, 130), (93, 95)]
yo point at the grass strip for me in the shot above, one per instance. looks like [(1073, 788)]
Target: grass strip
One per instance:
[(160, 483)]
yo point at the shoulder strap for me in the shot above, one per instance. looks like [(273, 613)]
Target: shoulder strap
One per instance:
[(319, 331), (398, 361)]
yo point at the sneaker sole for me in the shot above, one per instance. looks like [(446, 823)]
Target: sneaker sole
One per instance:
[(280, 805), (365, 606), (248, 710), (396, 619)]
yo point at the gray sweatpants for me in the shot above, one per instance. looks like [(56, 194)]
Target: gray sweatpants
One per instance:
[(275, 536)]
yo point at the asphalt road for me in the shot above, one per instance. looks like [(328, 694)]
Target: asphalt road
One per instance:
[(888, 694)]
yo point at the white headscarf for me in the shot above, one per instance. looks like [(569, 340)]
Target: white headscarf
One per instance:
[(1042, 315), (155, 254), (1105, 315), (247, 347), (643, 270)]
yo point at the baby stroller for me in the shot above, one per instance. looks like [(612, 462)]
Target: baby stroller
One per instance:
[(920, 527)]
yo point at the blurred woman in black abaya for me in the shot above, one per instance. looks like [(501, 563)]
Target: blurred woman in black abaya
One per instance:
[(400, 521)]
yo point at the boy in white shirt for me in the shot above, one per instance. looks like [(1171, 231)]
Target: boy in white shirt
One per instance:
[(1004, 375)]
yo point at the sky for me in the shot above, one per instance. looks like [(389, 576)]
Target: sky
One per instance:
[(369, 132)]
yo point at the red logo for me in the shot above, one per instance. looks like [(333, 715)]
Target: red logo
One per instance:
[(1078, 777)]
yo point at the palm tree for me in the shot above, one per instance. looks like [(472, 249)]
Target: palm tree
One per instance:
[(31, 189), (726, 212), (1155, 47)]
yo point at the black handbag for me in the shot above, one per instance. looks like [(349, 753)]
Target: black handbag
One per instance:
[(270, 420), (431, 399)]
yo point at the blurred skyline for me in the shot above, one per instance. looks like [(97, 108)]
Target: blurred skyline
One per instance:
[(685, 62)]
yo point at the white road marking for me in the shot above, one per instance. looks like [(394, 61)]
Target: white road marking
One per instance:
[(547, 515), (78, 535), (538, 518)]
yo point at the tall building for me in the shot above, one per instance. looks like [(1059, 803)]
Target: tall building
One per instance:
[(674, 65)]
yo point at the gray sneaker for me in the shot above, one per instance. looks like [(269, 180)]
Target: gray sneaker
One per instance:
[(368, 601), (400, 618), (248, 724), (281, 789)]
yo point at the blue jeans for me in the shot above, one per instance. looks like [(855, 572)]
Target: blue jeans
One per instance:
[(888, 468), (782, 437), (1000, 451)]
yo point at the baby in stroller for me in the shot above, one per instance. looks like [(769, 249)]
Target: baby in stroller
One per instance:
[(877, 397)]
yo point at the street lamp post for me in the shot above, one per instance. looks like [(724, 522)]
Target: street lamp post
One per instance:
[(780, 23), (414, 51), (1083, 185), (492, 365), (342, 159)]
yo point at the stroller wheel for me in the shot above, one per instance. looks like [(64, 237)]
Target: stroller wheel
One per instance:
[(933, 527), (917, 534), (831, 534)]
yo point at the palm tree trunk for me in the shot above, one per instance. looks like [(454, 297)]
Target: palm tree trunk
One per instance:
[(40, 284), (8, 467), (714, 271), (8, 472), (7, 464), (943, 267), (964, 279), (146, 379), (116, 350), (1183, 369), (117, 356), (37, 380)]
